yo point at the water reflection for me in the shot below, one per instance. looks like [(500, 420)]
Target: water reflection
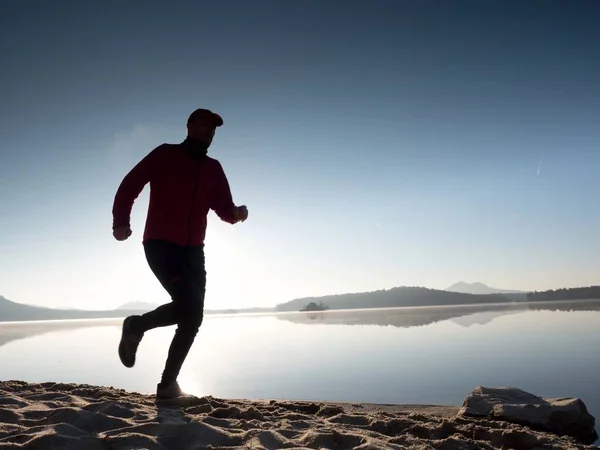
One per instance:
[(14, 331), (466, 316)]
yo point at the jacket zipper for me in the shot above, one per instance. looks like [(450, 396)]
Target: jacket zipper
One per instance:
[(193, 204)]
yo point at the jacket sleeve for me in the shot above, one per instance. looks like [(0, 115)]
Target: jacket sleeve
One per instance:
[(222, 202), (130, 189)]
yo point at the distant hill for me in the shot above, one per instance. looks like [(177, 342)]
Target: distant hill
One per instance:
[(12, 311), (138, 306), (387, 298), (478, 289), (16, 312), (580, 293), (395, 297)]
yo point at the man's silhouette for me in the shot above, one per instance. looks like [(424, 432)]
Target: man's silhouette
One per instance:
[(185, 184)]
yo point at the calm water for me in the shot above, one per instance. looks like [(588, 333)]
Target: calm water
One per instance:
[(412, 355)]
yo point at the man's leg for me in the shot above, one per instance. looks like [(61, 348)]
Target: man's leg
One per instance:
[(167, 262), (182, 273), (188, 307)]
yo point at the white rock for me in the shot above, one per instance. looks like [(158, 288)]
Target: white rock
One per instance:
[(561, 416)]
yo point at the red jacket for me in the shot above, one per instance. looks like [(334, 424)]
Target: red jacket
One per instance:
[(183, 187)]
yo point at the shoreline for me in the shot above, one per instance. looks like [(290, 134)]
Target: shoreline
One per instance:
[(119, 315), (77, 416)]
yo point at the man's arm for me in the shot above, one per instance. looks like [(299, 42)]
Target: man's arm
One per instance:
[(130, 189), (222, 201)]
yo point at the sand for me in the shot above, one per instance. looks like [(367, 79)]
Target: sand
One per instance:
[(69, 416)]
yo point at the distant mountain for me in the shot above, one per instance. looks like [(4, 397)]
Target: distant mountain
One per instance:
[(17, 312), (396, 297), (478, 289), (579, 293), (12, 311)]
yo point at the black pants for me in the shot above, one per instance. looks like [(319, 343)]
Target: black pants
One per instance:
[(182, 273)]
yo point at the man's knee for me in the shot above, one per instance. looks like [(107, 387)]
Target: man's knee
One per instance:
[(195, 318), (191, 315), (189, 303)]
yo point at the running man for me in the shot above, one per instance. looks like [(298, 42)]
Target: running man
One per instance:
[(185, 184)]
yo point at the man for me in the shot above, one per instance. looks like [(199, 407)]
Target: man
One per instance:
[(185, 184)]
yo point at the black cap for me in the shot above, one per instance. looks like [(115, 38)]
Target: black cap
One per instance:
[(206, 114)]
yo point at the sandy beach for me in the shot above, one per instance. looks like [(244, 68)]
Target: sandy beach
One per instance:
[(69, 416)]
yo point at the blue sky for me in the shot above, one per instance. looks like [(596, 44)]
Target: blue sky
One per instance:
[(376, 144)]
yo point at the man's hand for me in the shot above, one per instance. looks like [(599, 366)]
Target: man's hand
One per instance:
[(121, 233), (241, 213)]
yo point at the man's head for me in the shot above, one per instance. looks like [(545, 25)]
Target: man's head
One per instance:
[(201, 125)]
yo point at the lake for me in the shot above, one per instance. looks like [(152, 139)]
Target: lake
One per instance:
[(433, 355)]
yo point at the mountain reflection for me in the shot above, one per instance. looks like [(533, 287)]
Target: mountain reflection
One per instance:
[(465, 316), (14, 331)]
